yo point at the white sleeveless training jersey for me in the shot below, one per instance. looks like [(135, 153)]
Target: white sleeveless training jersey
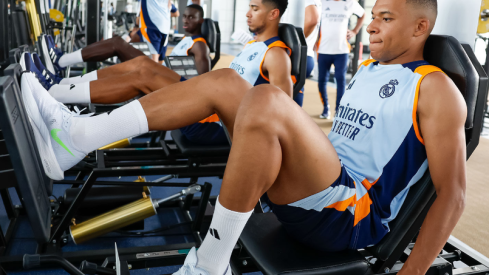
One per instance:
[(182, 48), (375, 133), (249, 62), (156, 15)]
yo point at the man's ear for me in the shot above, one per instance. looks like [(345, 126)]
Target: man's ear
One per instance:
[(423, 26), (274, 14)]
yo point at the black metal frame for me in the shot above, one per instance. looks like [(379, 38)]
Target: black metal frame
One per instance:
[(217, 54), (62, 215), (92, 29)]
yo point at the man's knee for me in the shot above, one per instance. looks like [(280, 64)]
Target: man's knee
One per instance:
[(228, 77), (142, 61), (117, 43), (263, 108), (145, 74)]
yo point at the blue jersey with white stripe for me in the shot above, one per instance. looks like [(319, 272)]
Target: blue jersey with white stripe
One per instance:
[(375, 133)]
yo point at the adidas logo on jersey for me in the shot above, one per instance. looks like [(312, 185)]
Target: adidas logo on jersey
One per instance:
[(214, 233), (351, 85)]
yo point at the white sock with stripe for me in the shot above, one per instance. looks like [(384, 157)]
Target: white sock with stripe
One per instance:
[(90, 133), (226, 227), (73, 93), (70, 58), (91, 76)]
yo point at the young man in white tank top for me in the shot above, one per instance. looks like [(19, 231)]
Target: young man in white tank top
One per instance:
[(331, 192)]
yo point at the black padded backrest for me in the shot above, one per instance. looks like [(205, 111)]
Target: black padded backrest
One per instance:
[(21, 27), (448, 54), (209, 33), (460, 64), (289, 36), (23, 154)]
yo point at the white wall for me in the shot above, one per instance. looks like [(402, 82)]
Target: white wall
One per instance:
[(295, 13), (223, 12), (242, 7), (459, 19)]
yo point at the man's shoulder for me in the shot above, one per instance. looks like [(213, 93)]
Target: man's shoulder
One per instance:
[(438, 92), (308, 3), (200, 46), (277, 53)]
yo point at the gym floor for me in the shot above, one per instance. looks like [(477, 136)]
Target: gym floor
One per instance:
[(471, 228)]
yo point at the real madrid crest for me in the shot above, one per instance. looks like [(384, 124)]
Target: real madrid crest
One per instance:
[(252, 56), (388, 89)]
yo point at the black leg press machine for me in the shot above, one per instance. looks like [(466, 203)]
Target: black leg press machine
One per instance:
[(264, 245)]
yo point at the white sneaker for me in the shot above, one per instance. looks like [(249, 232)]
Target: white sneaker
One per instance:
[(51, 123), (325, 116), (190, 266)]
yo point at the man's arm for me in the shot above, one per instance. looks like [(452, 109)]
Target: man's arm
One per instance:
[(357, 28), (311, 19), (442, 113), (277, 68), (201, 53), (173, 10)]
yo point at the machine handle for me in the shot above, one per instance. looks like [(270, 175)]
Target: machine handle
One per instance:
[(485, 15)]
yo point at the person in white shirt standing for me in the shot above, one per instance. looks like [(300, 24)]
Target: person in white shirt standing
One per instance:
[(312, 23), (193, 2), (334, 47)]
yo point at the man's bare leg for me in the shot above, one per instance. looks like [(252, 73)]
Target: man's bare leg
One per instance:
[(281, 151), (115, 46), (277, 147), (134, 65), (142, 79)]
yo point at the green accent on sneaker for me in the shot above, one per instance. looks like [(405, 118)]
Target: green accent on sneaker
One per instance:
[(54, 135)]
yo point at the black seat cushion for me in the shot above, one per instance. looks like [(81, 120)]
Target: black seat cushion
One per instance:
[(189, 148), (209, 33), (275, 252), (289, 36)]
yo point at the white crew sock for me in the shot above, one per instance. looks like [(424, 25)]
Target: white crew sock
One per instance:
[(73, 93), (90, 133), (91, 76), (70, 58), (226, 227)]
